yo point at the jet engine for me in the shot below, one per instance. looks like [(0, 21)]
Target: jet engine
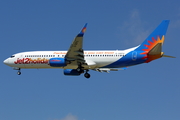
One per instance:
[(71, 72), (57, 62)]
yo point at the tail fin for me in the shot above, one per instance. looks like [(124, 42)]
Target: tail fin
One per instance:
[(152, 46), (157, 36)]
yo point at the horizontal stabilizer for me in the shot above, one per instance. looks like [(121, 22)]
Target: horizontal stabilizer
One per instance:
[(168, 56), (108, 69)]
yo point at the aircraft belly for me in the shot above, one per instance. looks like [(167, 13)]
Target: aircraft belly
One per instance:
[(18, 65), (100, 62), (71, 67), (37, 66)]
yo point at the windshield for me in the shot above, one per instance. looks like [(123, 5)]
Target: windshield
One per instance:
[(12, 56)]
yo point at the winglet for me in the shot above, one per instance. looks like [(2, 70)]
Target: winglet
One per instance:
[(82, 31)]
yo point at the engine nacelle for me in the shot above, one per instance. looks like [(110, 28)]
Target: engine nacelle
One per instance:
[(57, 62), (72, 72)]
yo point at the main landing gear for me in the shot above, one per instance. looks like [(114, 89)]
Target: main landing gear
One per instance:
[(86, 74)]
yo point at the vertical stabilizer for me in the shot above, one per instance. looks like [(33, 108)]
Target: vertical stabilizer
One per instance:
[(152, 46)]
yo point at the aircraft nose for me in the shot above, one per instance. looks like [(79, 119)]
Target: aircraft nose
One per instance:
[(6, 61)]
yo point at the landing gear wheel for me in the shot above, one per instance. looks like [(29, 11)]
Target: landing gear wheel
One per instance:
[(79, 69), (19, 73), (87, 75)]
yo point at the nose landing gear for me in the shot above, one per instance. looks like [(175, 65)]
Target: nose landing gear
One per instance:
[(19, 70)]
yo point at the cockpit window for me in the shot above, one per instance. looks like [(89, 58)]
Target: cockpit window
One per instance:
[(12, 56)]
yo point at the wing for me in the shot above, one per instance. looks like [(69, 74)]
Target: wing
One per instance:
[(75, 54)]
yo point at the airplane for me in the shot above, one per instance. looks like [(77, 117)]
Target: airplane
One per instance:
[(76, 61)]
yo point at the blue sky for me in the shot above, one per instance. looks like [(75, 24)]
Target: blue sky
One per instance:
[(145, 92)]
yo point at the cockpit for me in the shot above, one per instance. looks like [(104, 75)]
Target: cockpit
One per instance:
[(12, 56)]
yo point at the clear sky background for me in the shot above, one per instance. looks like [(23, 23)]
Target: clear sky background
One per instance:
[(144, 92)]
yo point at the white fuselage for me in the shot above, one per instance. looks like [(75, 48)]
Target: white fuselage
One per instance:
[(40, 59)]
